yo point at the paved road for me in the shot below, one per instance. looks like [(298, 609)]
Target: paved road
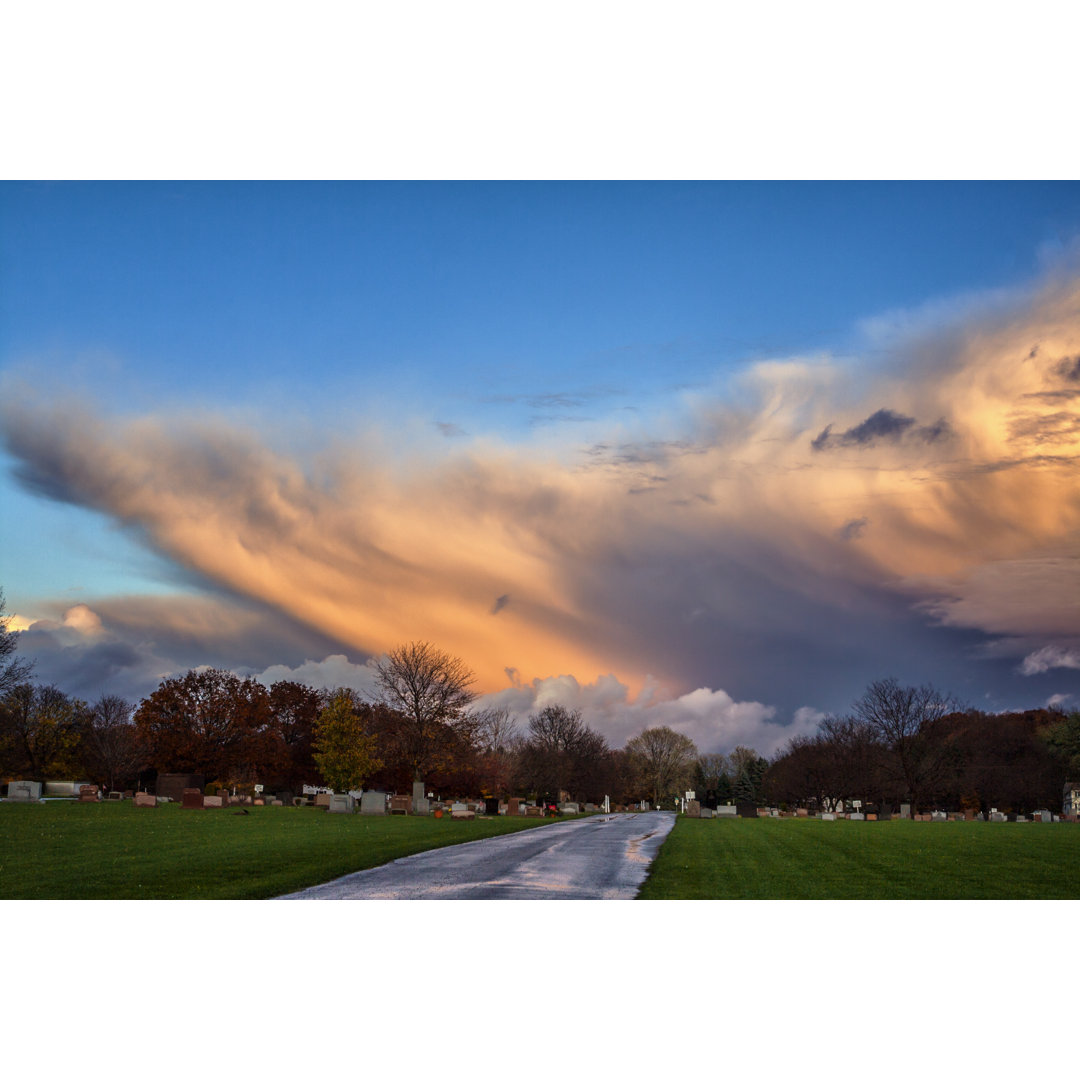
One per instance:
[(595, 858)]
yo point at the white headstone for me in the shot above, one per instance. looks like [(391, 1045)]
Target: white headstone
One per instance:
[(340, 804)]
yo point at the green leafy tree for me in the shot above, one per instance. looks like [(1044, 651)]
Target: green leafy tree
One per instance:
[(42, 727), (1063, 739), (344, 751)]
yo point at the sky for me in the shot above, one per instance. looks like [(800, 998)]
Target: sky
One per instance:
[(707, 454)]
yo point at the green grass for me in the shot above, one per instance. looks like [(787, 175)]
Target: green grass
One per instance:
[(115, 851), (807, 859)]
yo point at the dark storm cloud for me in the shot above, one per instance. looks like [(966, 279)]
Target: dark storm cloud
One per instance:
[(450, 430), (853, 529), (883, 425)]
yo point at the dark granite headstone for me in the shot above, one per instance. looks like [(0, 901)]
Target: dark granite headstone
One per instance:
[(746, 810), (173, 785), (192, 799), (491, 806)]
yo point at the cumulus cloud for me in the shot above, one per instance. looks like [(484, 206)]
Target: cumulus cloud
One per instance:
[(714, 552), (127, 645), (712, 718), (1049, 657), (331, 673)]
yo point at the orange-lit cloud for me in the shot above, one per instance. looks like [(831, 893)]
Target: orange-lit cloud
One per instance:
[(941, 482)]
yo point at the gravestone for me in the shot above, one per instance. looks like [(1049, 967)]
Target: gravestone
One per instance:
[(995, 816), (905, 810), (980, 816), (24, 790), (939, 815), (212, 801), (61, 789), (801, 811), (373, 802), (400, 804), (340, 804), (1046, 816), (746, 810), (116, 796), (491, 806), (286, 797), (884, 815), (513, 807), (143, 799), (463, 815), (590, 808), (1021, 817), (727, 811), (322, 799), (88, 793), (454, 807), (871, 817), (533, 811), (192, 799), (706, 812), (828, 817), (419, 795), (856, 816), (570, 808), (173, 785), (693, 808), (422, 807)]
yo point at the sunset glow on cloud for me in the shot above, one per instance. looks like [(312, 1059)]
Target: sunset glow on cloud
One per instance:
[(733, 556)]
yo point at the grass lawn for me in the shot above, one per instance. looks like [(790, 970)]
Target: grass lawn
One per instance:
[(114, 851), (807, 859)]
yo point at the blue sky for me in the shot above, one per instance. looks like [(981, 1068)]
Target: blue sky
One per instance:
[(408, 330)]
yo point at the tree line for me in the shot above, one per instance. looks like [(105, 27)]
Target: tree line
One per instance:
[(898, 744), (423, 725), (917, 745)]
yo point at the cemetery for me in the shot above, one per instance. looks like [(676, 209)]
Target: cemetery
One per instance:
[(70, 843)]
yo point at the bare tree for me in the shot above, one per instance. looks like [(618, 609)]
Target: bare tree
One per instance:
[(111, 744), (562, 753), (430, 689), (12, 670), (496, 731), (903, 718), (665, 757)]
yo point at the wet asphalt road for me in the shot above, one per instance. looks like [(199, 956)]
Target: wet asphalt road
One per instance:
[(596, 858)]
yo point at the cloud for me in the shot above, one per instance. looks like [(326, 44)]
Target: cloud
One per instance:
[(1049, 657), (881, 425), (711, 718), (331, 673), (853, 529), (713, 550), (127, 645), (450, 430)]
